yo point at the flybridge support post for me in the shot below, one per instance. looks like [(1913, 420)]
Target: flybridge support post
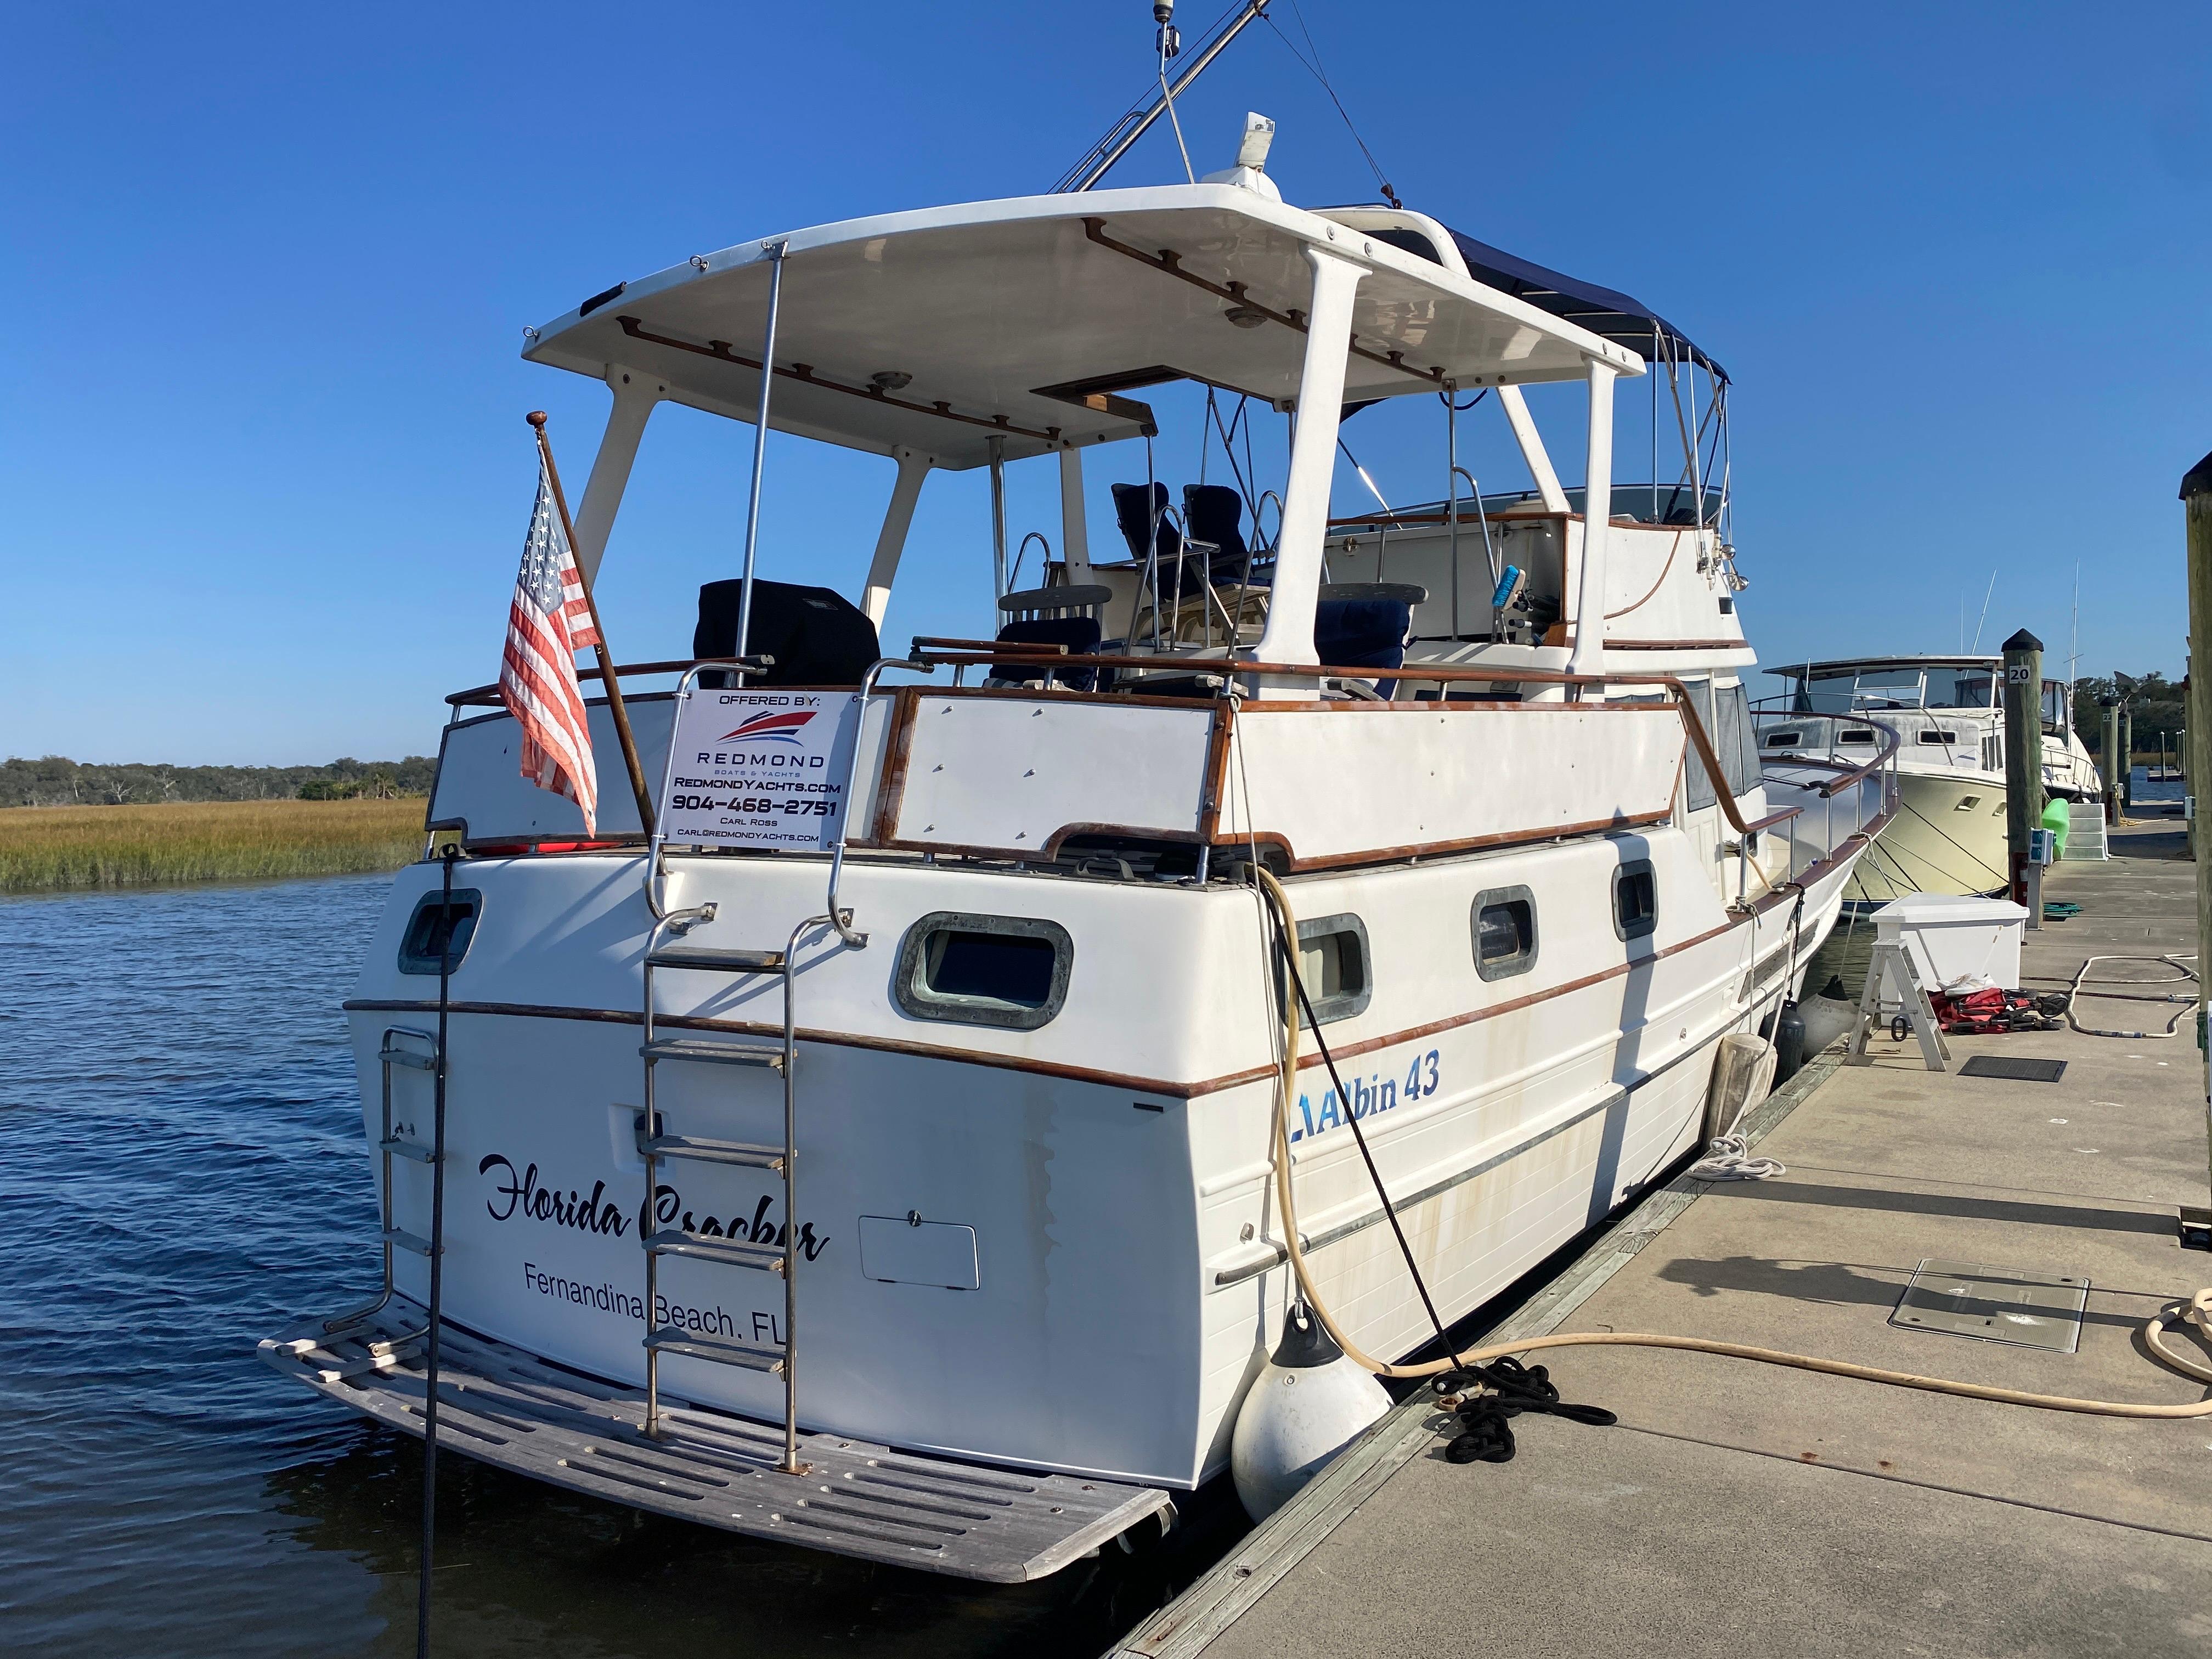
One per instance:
[(2197, 499), (890, 541), (2023, 723), (636, 393), (998, 517), (1533, 453), (1289, 636), (1587, 656), (1075, 533)]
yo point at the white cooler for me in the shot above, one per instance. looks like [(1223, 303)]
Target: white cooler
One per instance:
[(1971, 942)]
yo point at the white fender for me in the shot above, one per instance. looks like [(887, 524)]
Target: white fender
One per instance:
[(1308, 1404)]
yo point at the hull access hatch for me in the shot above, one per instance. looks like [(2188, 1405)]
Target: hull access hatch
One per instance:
[(507, 1407)]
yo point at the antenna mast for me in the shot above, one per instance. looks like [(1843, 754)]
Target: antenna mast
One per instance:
[(1100, 158)]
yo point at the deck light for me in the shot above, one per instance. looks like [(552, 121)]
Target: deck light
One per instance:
[(1246, 316), (891, 379)]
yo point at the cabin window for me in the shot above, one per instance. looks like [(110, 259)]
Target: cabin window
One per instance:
[(1333, 966), (1784, 740), (1944, 737), (1504, 932), (1734, 742), (1967, 804), (1635, 899), (1855, 739), (1696, 780), (433, 931), (984, 970)]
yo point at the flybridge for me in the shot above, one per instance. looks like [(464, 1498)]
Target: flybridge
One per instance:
[(1021, 322)]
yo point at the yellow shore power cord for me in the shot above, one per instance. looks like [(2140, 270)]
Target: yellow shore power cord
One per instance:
[(2197, 1310)]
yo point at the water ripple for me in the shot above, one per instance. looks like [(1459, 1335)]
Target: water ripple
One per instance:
[(181, 1173)]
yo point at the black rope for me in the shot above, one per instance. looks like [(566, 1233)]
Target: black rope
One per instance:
[(1507, 1388), (1297, 980), (1313, 68), (1462, 408), (451, 852)]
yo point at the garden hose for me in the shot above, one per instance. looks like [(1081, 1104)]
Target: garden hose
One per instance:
[(2198, 1311)]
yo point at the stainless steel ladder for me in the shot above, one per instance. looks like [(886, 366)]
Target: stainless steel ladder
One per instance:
[(654, 1144), (386, 1352), (653, 1141)]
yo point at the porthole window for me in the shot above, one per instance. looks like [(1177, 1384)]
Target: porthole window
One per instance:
[(432, 930), (1967, 804), (1504, 932), (1932, 736), (1857, 739), (1784, 739), (1333, 966), (984, 970), (1635, 899)]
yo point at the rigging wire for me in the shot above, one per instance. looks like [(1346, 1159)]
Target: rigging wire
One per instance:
[(1313, 67)]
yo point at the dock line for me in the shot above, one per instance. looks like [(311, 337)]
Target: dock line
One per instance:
[(2198, 1311)]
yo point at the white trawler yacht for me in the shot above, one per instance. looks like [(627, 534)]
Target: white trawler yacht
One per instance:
[(891, 1175), (1948, 832)]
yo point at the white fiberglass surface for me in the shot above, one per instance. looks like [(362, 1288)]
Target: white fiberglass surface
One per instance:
[(979, 306)]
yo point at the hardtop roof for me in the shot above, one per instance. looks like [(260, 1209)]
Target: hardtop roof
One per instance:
[(1037, 320)]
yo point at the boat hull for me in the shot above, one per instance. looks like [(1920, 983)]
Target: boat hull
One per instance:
[(1124, 1284), (1948, 836)]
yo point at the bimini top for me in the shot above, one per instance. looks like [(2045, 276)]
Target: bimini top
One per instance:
[(1620, 318), (1034, 319)]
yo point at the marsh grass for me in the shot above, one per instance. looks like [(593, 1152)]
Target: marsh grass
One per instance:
[(55, 849)]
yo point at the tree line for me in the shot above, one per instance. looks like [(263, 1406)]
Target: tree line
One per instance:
[(2154, 704), (57, 781)]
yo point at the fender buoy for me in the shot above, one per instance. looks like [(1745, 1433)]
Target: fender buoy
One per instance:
[(1308, 1404)]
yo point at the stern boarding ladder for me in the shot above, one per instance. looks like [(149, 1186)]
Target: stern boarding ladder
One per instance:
[(654, 1143)]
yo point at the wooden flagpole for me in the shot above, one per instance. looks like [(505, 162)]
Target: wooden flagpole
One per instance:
[(615, 704)]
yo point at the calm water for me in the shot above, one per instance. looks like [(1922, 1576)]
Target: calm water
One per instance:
[(181, 1173)]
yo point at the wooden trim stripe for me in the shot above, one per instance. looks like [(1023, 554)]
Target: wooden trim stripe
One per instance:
[(1124, 1080)]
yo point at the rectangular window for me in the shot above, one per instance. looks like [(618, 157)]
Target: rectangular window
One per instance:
[(1635, 899), (1736, 743), (984, 970), (1944, 737), (1784, 740), (1859, 737), (1698, 781), (1504, 932), (433, 931), (1333, 966)]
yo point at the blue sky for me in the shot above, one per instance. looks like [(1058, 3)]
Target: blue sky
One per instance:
[(263, 470)]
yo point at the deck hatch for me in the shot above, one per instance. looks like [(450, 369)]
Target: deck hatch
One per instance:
[(1994, 1305), (2014, 1068)]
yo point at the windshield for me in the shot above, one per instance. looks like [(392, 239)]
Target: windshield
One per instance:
[(1895, 686)]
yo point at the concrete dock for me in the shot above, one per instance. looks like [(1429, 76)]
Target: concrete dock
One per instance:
[(1743, 1509)]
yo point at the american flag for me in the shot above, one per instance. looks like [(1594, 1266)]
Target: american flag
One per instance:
[(550, 622)]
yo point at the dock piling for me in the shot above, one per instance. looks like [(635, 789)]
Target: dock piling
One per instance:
[(2108, 758), (2023, 723), (2196, 508)]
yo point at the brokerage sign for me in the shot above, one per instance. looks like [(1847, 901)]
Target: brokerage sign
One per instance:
[(761, 767)]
